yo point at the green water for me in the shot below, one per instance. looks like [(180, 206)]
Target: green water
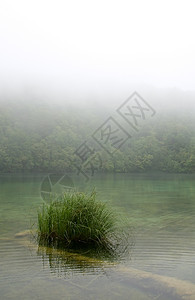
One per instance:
[(159, 210)]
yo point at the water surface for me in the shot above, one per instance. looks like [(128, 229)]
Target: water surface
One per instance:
[(159, 210)]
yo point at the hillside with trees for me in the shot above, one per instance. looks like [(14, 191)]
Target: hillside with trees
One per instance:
[(41, 137)]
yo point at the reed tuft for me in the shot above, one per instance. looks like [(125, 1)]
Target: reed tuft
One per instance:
[(76, 218)]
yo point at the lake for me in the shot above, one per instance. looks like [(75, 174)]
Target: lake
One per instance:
[(158, 261)]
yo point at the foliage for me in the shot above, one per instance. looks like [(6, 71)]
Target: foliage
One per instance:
[(76, 218), (38, 137)]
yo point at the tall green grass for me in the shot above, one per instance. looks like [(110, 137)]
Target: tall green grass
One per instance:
[(76, 218)]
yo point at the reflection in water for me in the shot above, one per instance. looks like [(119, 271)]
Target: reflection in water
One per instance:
[(64, 262), (160, 265), (90, 259), (124, 279)]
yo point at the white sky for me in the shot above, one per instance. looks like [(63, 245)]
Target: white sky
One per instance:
[(86, 45)]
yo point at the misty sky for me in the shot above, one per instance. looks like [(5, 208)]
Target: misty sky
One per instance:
[(97, 45)]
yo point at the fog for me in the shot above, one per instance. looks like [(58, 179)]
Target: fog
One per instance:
[(86, 51)]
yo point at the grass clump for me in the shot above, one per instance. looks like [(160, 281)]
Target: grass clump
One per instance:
[(76, 219)]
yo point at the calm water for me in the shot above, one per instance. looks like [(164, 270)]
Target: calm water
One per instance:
[(159, 262)]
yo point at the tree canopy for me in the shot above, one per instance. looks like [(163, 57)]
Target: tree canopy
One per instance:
[(42, 137)]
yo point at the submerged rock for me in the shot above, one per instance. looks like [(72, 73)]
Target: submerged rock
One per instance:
[(145, 280), (24, 234)]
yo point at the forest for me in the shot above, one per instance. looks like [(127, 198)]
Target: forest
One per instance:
[(36, 136)]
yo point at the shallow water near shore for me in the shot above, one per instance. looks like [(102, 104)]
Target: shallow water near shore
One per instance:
[(159, 210)]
